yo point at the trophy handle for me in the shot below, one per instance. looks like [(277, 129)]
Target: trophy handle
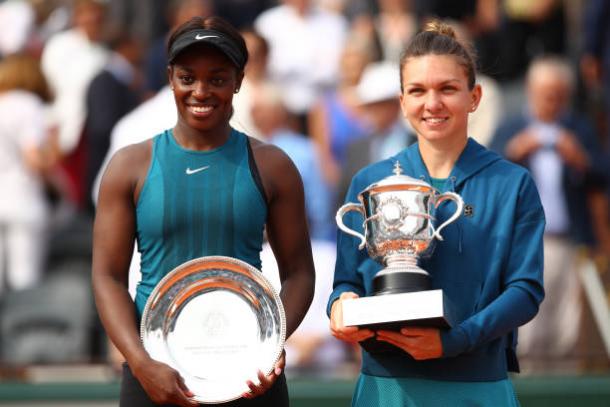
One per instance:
[(452, 196), (339, 219)]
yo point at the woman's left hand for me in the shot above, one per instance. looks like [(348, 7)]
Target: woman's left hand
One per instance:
[(419, 342), (265, 381)]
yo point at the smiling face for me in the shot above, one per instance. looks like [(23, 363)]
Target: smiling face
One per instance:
[(204, 81), (436, 99)]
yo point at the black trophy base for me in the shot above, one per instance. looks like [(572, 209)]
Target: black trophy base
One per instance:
[(400, 282)]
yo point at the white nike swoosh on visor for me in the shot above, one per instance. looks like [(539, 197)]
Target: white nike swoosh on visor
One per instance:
[(201, 37), (196, 170)]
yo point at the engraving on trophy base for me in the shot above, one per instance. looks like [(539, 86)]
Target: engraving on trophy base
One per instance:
[(215, 331), (401, 245)]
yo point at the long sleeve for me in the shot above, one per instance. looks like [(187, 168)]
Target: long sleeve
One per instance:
[(349, 257), (522, 280)]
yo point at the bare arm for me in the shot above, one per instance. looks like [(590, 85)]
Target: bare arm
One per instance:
[(287, 231), (289, 238), (113, 243)]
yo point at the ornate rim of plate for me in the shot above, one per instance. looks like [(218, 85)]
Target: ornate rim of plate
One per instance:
[(196, 320)]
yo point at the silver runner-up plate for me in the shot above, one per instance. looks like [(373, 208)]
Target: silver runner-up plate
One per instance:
[(218, 321)]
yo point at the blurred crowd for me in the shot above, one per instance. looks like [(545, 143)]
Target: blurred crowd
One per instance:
[(79, 79)]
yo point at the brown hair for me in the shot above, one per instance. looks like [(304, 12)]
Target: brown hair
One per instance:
[(438, 38), (23, 72)]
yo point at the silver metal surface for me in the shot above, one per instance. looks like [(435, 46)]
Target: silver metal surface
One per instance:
[(218, 321), (397, 214)]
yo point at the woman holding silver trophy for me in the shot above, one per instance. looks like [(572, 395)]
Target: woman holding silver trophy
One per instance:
[(488, 261), (201, 190)]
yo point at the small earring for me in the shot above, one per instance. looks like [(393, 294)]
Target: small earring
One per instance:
[(236, 90)]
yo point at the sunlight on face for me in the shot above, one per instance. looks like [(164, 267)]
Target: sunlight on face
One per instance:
[(436, 100)]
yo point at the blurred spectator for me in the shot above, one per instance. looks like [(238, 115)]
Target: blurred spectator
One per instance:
[(52, 16), (485, 119), (70, 60), (178, 11), (355, 9), (459, 10), (27, 151), (143, 19), (378, 92), (332, 6), (595, 71), (242, 13), (481, 18), (595, 66), (560, 149), (25, 25), (256, 75), (528, 29), (336, 118), (392, 27), (16, 23), (113, 92), (305, 44), (271, 117)]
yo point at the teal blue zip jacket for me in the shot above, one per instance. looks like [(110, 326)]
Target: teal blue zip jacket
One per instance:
[(490, 265)]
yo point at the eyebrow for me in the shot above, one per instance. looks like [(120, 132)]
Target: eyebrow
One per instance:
[(446, 82)]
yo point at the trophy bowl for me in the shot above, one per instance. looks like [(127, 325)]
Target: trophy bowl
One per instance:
[(218, 321), (398, 228)]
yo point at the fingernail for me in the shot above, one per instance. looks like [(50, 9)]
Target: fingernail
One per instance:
[(278, 371)]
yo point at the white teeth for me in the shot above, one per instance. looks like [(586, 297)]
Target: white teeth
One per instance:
[(435, 119), (201, 109)]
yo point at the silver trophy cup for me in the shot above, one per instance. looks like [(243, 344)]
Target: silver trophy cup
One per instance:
[(398, 227)]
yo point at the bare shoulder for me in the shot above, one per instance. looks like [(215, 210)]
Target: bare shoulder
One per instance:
[(275, 167), (129, 165), (268, 156)]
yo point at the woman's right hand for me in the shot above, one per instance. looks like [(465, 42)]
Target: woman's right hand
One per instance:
[(163, 384), (350, 334)]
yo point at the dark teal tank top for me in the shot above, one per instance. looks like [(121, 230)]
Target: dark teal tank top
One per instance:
[(197, 203)]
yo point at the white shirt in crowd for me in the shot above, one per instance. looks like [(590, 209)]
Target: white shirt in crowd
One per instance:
[(69, 62), (304, 52), (23, 125), (547, 170)]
